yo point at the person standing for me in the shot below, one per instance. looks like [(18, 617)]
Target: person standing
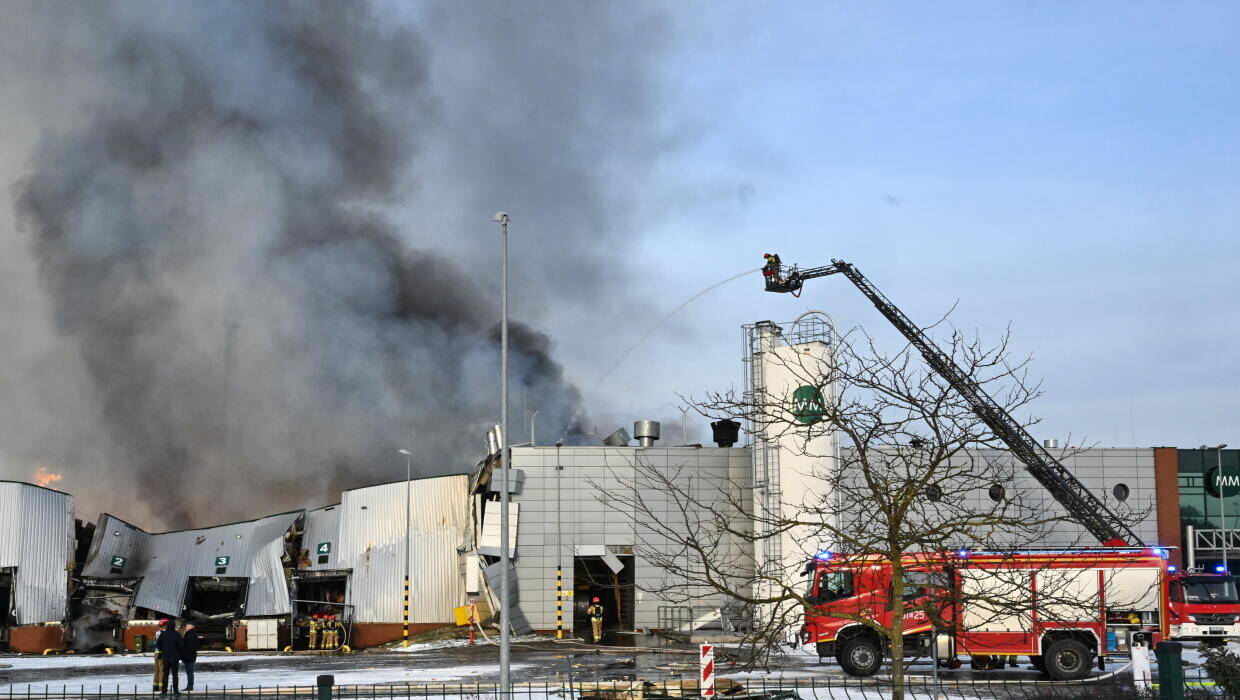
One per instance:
[(158, 681), (595, 611), (169, 646), (190, 642), (314, 632)]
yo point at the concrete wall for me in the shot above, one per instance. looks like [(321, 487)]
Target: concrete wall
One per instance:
[(576, 517)]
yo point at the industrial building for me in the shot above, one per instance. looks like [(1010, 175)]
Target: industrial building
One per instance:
[(216, 577), (254, 584), (37, 542)]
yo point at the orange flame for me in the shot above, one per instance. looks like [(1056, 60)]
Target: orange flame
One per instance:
[(44, 478)]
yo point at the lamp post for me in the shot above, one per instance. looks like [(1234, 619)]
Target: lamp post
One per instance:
[(408, 473), (1222, 498), (505, 648)]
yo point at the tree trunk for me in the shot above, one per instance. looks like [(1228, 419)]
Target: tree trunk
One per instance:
[(897, 629)]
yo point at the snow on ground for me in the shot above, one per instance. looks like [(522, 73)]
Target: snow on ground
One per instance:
[(1193, 657), (18, 663), (205, 678), (455, 643)]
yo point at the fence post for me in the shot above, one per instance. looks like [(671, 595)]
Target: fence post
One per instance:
[(325, 684), (1170, 670)]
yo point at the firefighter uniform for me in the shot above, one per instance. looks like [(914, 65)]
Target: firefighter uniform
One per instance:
[(158, 684), (314, 632), (595, 611), (333, 631)]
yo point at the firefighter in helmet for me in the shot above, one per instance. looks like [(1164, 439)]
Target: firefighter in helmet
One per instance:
[(159, 659), (595, 611), (770, 270), (313, 627)]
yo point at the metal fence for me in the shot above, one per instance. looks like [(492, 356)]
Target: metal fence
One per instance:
[(1198, 685)]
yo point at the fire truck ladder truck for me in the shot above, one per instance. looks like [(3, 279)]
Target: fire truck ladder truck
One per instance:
[(1081, 505)]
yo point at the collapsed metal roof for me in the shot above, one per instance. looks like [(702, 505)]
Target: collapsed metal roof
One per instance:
[(41, 552), (321, 538), (166, 561)]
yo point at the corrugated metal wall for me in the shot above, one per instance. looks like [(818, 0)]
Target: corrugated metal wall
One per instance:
[(166, 561), (42, 551), (322, 526), (372, 544)]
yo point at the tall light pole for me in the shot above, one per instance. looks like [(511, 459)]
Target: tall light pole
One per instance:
[(505, 642), (408, 516), (1222, 498)]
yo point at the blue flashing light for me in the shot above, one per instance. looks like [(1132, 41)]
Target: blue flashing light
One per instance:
[(1171, 569), (1161, 551), (962, 553), (823, 555), (1220, 569)]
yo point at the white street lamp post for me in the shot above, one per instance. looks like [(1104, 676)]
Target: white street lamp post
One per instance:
[(408, 516)]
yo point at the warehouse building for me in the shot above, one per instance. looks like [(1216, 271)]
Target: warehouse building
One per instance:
[(225, 579), (356, 557), (37, 542)]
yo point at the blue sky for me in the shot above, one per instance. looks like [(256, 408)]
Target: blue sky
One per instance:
[(1072, 169)]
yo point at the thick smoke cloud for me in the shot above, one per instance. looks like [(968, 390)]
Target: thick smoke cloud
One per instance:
[(234, 323)]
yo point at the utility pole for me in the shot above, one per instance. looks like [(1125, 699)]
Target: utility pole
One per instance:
[(408, 517), (505, 641)]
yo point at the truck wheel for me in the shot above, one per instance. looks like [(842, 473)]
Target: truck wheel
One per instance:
[(1067, 660), (860, 656), (1038, 663)]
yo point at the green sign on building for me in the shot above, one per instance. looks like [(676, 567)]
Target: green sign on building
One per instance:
[(222, 561), (324, 548), (1221, 483), (808, 406), (118, 562)]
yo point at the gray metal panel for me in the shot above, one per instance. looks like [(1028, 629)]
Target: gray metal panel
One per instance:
[(37, 538), (113, 538), (165, 562), (372, 545), (322, 525)]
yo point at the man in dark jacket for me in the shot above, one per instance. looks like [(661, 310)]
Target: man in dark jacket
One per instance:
[(189, 653), (169, 647)]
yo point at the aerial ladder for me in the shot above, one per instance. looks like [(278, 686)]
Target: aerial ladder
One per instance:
[(1081, 505)]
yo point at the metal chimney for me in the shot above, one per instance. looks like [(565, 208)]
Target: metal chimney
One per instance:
[(1050, 444), (725, 432), (646, 432)]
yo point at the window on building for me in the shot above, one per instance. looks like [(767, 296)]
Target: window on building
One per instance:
[(1121, 492)]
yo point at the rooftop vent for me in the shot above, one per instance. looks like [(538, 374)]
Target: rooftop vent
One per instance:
[(725, 432), (646, 432), (1050, 444), (620, 438)]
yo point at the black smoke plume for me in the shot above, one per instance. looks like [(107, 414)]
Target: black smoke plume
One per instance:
[(247, 329)]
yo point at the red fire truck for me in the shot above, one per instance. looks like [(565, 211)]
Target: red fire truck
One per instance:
[(1063, 609), (1204, 607)]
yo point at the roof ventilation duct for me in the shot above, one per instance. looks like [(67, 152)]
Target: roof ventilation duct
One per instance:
[(725, 432), (646, 432), (1050, 444), (620, 438)]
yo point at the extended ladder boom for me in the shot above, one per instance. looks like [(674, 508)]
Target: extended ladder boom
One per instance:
[(1081, 505)]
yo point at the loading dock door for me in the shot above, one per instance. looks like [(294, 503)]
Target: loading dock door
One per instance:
[(616, 591), (7, 618)]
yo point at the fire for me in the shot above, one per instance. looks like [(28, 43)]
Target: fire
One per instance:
[(44, 478)]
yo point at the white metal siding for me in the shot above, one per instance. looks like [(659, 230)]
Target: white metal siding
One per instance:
[(322, 525), (165, 562), (372, 545), (37, 538)]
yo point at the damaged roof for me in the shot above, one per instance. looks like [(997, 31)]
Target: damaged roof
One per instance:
[(166, 561)]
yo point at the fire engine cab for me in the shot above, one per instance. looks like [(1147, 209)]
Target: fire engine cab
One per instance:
[(1063, 609), (1203, 607)]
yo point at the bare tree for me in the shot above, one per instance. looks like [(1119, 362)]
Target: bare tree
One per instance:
[(912, 484)]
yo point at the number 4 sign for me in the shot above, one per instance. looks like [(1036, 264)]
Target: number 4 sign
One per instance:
[(324, 548)]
